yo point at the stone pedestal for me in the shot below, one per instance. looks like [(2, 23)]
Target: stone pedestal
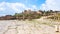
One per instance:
[(57, 28)]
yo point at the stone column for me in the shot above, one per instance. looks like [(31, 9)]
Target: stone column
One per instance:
[(57, 28)]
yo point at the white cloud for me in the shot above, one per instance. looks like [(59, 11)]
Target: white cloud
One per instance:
[(34, 7), (16, 7), (11, 8), (51, 4)]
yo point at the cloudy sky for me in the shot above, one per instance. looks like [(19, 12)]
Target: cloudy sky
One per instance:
[(16, 6)]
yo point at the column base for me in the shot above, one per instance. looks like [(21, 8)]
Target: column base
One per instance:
[(57, 31)]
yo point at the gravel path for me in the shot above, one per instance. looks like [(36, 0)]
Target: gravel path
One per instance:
[(37, 26)]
